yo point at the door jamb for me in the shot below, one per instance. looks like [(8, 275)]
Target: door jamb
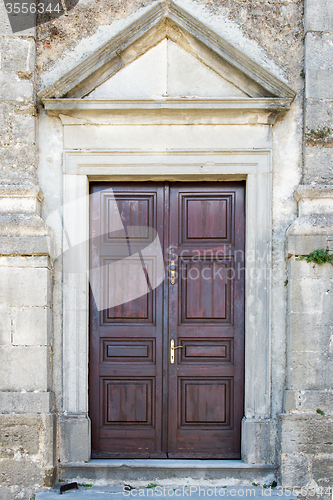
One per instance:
[(192, 165)]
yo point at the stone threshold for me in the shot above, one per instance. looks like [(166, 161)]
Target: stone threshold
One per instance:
[(120, 470)]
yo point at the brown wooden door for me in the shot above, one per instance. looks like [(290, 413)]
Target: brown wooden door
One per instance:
[(142, 405)]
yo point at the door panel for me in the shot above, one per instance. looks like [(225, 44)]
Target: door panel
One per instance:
[(206, 318), (141, 405), (125, 373)]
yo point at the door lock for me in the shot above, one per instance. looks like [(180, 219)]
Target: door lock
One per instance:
[(172, 350)]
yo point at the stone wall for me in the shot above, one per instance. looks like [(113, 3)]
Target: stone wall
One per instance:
[(306, 445), (17, 104), (318, 103), (27, 426)]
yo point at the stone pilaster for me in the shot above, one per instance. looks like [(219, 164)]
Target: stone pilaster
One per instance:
[(318, 159), (306, 438), (27, 421)]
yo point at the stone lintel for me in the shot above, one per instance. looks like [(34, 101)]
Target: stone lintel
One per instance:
[(189, 110)]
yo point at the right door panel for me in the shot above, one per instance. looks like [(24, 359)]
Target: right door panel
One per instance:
[(206, 319)]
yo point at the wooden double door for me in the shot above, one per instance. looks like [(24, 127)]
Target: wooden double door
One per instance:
[(141, 403)]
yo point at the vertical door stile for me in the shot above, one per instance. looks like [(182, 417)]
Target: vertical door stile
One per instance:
[(166, 221)]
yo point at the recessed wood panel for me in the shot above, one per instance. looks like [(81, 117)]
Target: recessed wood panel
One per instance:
[(134, 213), (205, 350), (126, 295), (206, 291), (129, 350), (205, 402), (128, 402), (207, 218)]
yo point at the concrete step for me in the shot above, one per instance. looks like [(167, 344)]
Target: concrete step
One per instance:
[(223, 472), (166, 493)]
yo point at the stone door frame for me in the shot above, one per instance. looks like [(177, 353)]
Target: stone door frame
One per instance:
[(80, 167)]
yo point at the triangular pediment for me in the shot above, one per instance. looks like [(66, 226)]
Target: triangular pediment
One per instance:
[(167, 52), (166, 70)]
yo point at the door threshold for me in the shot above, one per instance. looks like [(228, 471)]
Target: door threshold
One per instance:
[(162, 463)]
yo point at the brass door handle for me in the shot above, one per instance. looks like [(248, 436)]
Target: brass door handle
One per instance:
[(172, 350), (172, 272)]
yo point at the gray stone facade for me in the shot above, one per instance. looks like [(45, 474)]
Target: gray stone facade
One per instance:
[(43, 403)]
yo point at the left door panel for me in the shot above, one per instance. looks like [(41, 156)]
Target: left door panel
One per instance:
[(126, 311)]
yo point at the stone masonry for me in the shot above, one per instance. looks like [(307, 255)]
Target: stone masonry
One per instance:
[(27, 424), (306, 445)]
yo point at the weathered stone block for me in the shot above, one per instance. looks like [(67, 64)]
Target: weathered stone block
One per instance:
[(21, 473), (318, 165), (14, 205), (18, 435), (74, 439), (17, 54), (294, 471), (317, 399), (16, 172), (310, 295), (30, 435), (26, 245), (24, 287), (19, 159), (310, 370), (310, 434), (24, 368), (23, 129), (322, 470), (300, 269), (12, 88), (318, 112), (319, 70), (292, 400), (5, 326), (298, 244), (25, 402), (310, 331), (34, 261), (256, 441), (318, 15), (31, 326)]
